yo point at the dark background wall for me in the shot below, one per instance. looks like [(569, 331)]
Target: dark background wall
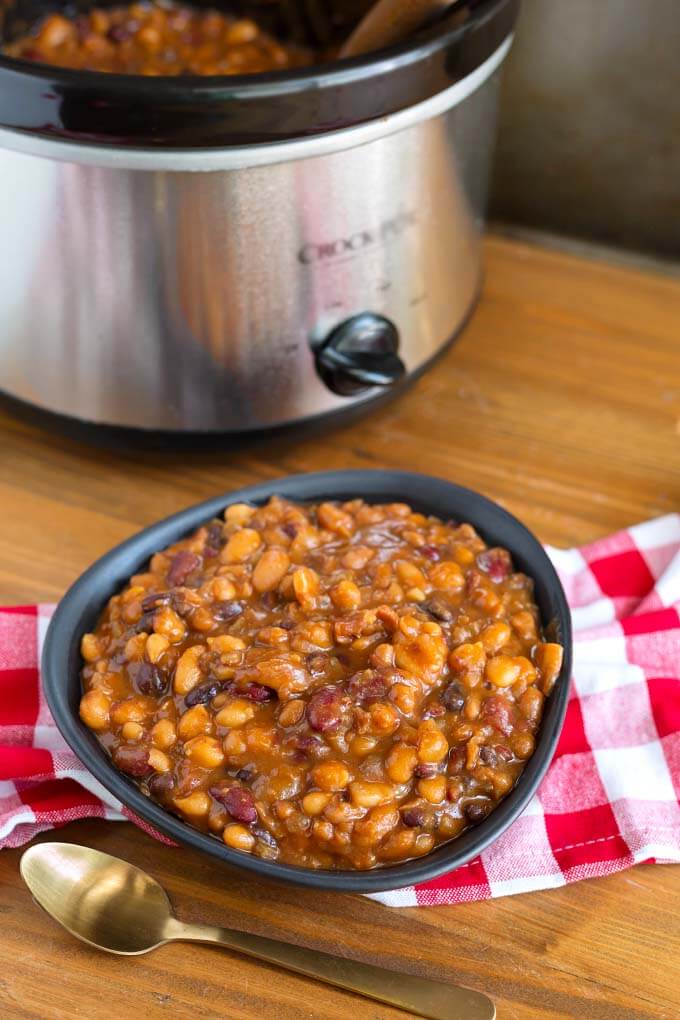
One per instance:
[(589, 142)]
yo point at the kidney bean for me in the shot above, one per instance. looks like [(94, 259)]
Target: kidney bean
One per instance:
[(488, 756), (118, 34), (414, 817), (239, 803), (497, 563), (367, 686), (150, 679), (318, 663), (183, 564), (456, 762), (156, 599), (426, 770), (224, 612), (454, 698), (161, 785), (270, 599), (265, 837), (435, 710), (133, 759), (500, 713), (325, 708), (180, 604), (144, 624), (308, 745), (438, 608), (214, 540), (476, 811), (202, 694), (257, 692), (430, 552)]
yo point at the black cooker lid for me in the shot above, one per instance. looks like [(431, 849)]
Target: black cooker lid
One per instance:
[(188, 112)]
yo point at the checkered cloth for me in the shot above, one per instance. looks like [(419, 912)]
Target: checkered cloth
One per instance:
[(609, 800)]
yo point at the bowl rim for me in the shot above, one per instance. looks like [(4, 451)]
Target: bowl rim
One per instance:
[(83, 602)]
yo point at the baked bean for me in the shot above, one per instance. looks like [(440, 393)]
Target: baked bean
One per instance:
[(384, 718), (239, 514), (195, 805), (376, 825), (494, 637), (90, 648), (368, 795), (331, 775), (404, 698), (305, 585), (193, 722), (205, 751), (548, 658), (188, 672), (346, 596), (401, 763), (362, 745), (135, 647), (132, 732), (313, 803), (339, 687), (432, 744), (433, 789), (235, 713), (525, 625), (156, 645), (473, 706), (410, 575), (238, 837), (502, 671), (95, 710), (135, 709), (159, 761), (522, 744), (163, 734), (291, 713), (334, 519), (234, 744), (270, 568), (531, 705), (448, 576), (399, 846), (169, 624)]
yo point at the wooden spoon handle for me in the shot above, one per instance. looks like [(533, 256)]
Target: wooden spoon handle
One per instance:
[(389, 22), (435, 999)]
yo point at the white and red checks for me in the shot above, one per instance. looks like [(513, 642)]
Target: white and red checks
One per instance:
[(610, 798)]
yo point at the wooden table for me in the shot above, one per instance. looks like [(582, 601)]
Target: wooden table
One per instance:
[(562, 401)]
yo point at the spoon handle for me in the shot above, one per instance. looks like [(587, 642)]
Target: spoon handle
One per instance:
[(434, 999), (389, 22)]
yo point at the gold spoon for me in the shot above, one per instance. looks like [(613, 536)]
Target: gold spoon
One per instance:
[(389, 22), (114, 906)]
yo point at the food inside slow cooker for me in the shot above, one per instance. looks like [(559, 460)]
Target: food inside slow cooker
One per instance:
[(339, 686), (157, 39)]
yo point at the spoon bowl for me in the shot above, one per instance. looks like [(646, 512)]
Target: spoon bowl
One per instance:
[(100, 899)]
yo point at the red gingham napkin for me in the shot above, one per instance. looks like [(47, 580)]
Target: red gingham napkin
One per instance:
[(609, 800)]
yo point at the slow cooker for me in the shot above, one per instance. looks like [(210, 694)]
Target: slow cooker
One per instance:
[(238, 254)]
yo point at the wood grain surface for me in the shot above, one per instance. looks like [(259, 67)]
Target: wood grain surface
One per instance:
[(562, 401)]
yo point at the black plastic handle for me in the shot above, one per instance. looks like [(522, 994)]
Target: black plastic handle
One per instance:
[(367, 368)]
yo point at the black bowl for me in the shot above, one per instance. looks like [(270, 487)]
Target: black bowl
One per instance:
[(79, 610)]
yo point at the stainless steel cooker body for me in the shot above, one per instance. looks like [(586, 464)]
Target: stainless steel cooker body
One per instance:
[(206, 291)]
